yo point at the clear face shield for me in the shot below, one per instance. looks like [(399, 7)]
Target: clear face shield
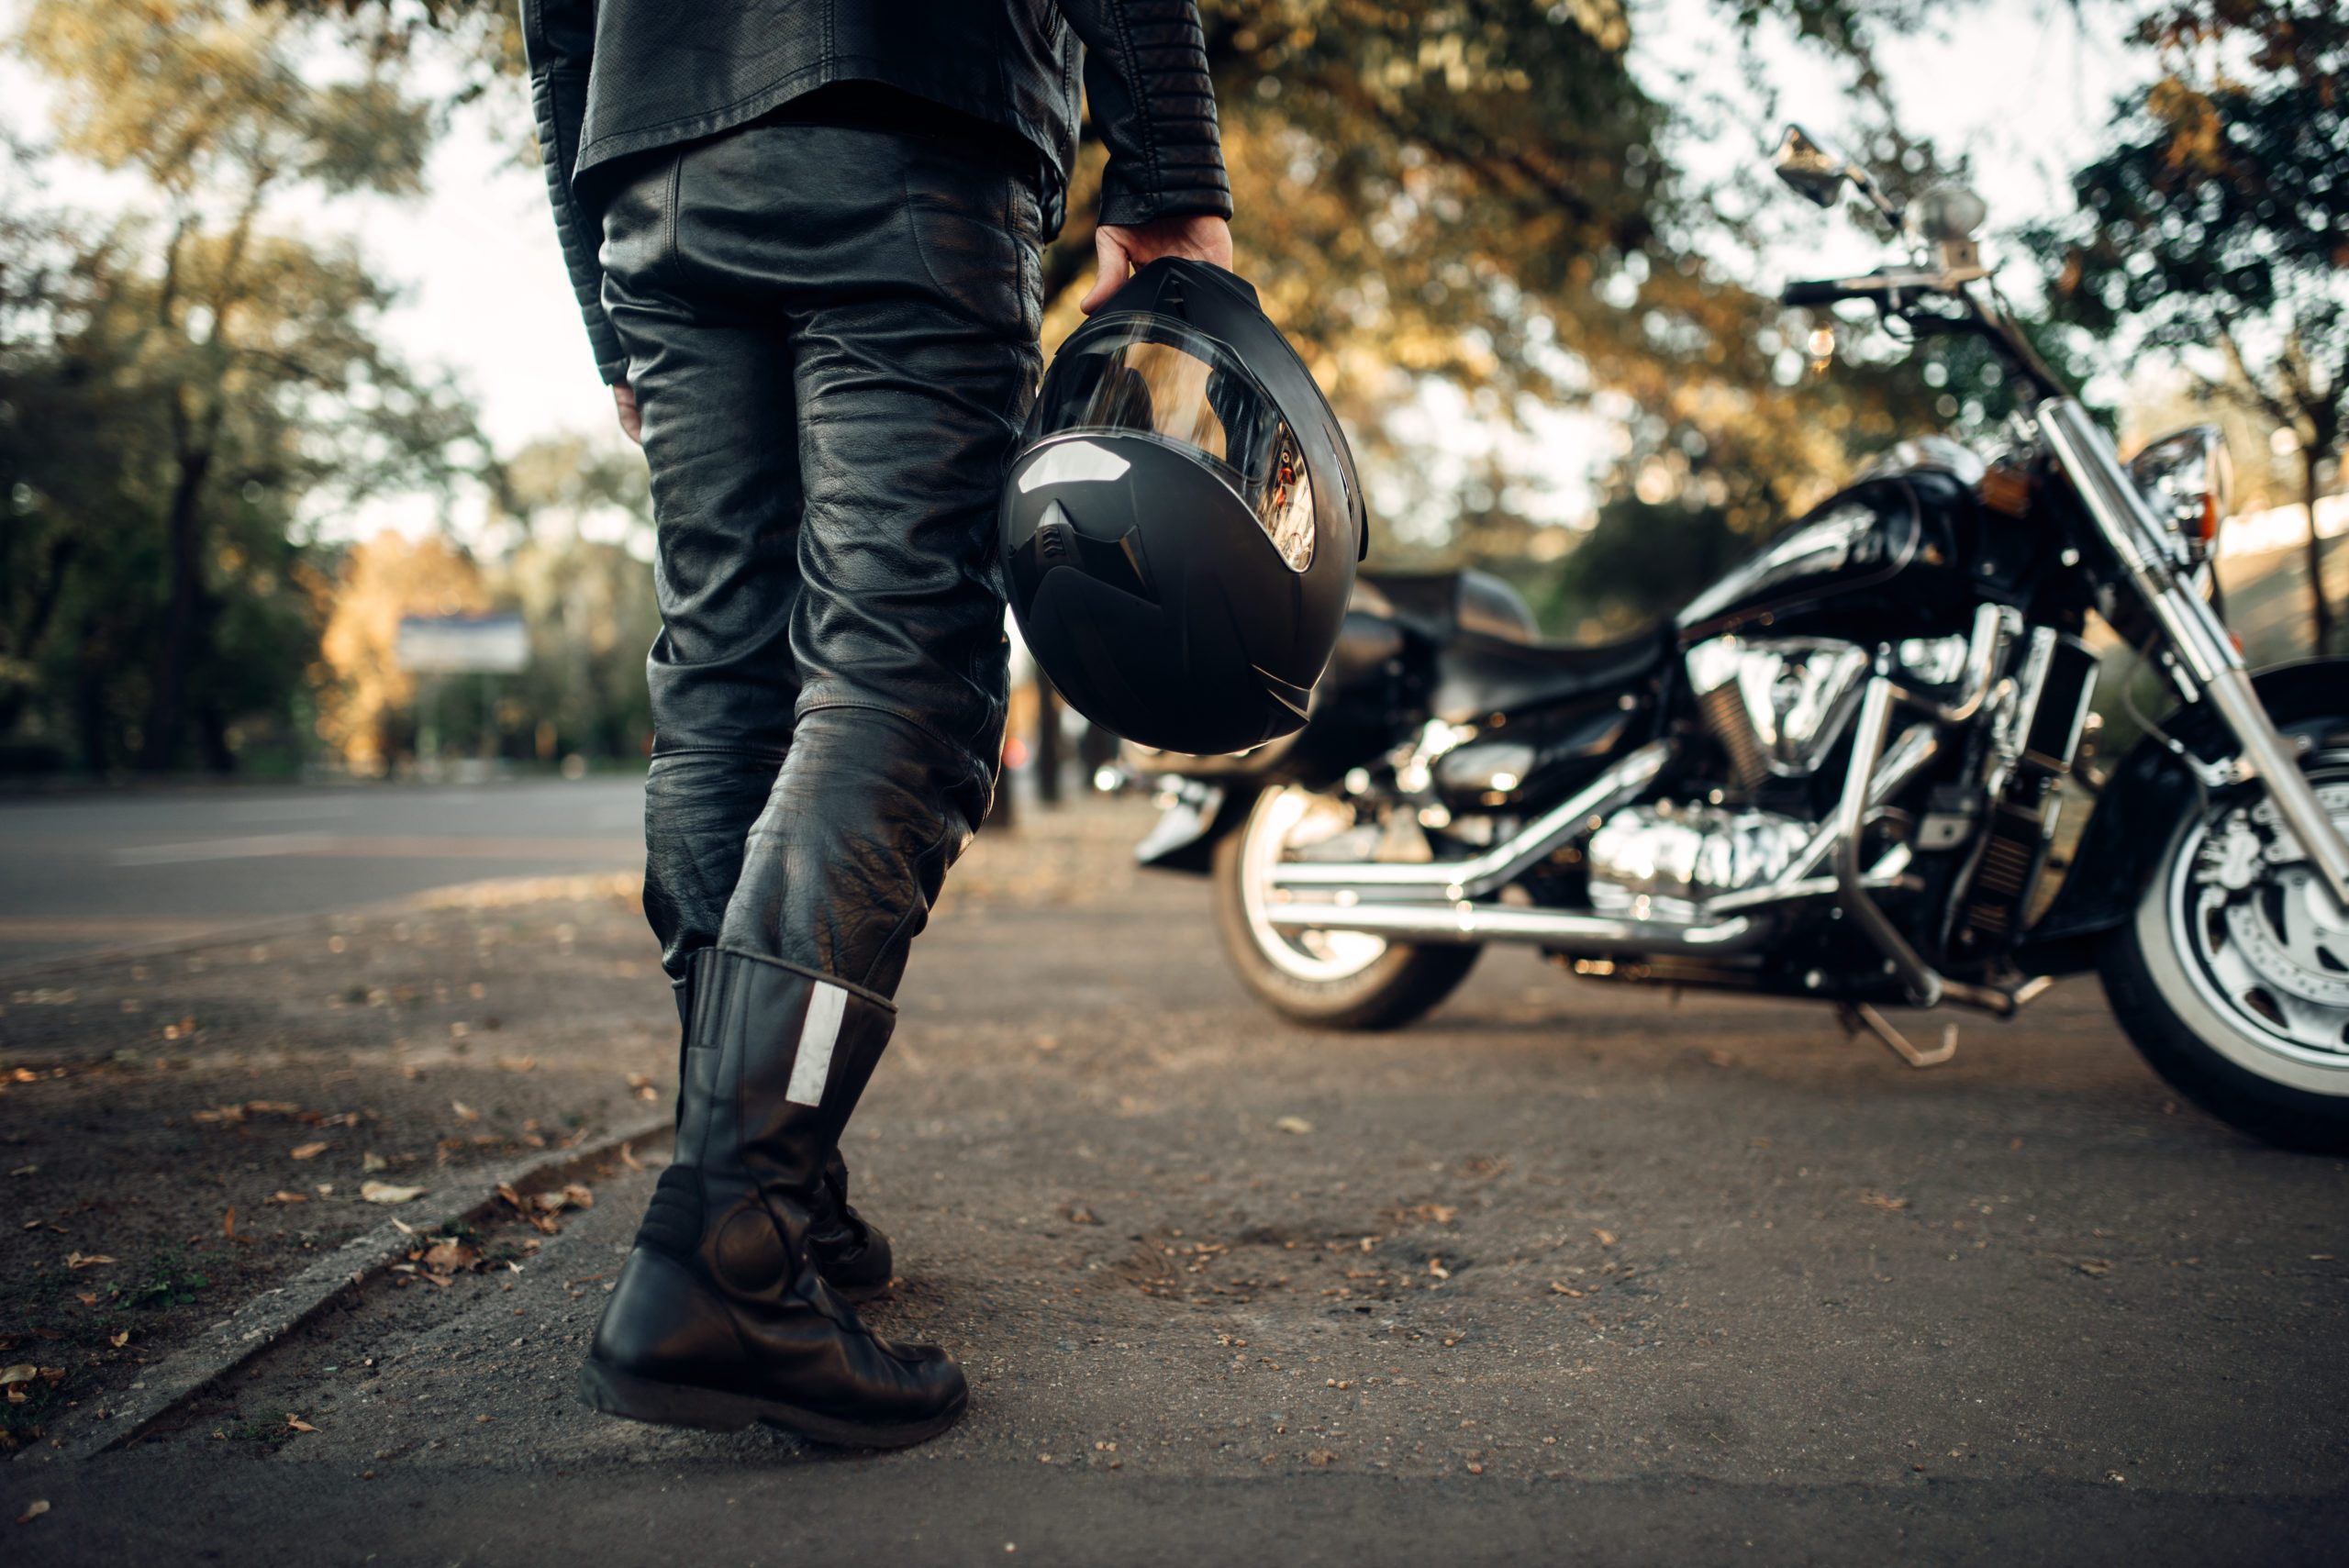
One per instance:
[(1153, 377)]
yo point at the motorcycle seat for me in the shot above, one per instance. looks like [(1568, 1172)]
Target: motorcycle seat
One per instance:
[(1479, 675)]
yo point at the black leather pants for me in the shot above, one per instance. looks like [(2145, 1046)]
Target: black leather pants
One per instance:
[(831, 332)]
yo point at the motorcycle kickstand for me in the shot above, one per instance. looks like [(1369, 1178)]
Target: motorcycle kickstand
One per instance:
[(1857, 1015)]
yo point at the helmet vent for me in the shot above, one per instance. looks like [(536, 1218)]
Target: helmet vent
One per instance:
[(1055, 539)]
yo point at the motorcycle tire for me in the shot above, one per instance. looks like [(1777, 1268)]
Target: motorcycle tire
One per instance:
[(1356, 982), (2239, 997)]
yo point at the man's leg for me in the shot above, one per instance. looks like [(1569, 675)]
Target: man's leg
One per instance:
[(915, 356), (902, 283)]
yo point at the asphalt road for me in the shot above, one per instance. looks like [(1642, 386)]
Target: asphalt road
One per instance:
[(1568, 1272), (84, 872)]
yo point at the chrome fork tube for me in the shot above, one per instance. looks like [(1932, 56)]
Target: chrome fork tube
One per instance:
[(2195, 635), (1923, 984)]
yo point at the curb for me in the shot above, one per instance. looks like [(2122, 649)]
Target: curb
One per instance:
[(271, 1316)]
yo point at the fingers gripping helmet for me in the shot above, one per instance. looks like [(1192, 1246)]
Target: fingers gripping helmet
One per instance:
[(1180, 528)]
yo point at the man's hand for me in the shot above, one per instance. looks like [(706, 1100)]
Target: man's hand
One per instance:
[(632, 421), (1121, 251)]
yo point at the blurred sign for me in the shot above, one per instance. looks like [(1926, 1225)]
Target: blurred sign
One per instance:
[(463, 645)]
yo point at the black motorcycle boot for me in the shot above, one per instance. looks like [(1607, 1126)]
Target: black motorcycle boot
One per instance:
[(851, 1251), (721, 1317)]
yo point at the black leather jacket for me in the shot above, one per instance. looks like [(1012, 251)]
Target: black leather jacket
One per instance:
[(612, 77)]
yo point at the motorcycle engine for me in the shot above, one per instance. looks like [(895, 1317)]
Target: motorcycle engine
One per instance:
[(1777, 705), (1664, 860)]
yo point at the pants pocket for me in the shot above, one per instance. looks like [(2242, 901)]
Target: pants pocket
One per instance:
[(962, 216)]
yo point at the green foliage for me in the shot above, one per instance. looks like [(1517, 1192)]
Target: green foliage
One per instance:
[(169, 1283), (1638, 564), (2219, 219), (179, 389)]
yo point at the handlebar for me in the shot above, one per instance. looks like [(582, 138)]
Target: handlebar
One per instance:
[(1881, 286), (1825, 290)]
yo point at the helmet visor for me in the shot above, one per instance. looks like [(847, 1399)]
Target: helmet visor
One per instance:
[(1150, 377)]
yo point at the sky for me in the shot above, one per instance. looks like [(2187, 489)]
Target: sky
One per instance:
[(2021, 87)]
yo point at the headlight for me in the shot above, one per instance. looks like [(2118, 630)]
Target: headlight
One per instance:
[(2188, 481)]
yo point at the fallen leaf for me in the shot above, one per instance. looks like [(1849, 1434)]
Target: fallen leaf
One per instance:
[(33, 1510), (371, 1162), (2096, 1268), (1320, 1456), (273, 1108), (449, 1257), (628, 1157), (1605, 1238), (638, 1081), (282, 1195), (85, 1259), (119, 1337), (309, 1151), (1878, 1200), (298, 1424), (1435, 1267), (1292, 1124), (23, 1371), (86, 1297), (579, 1196), (1563, 1288), (464, 1112), (516, 1063), (384, 1193)]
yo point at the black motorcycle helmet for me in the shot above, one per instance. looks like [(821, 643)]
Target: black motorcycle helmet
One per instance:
[(1181, 526)]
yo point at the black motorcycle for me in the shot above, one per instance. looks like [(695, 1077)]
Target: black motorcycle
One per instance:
[(1837, 773)]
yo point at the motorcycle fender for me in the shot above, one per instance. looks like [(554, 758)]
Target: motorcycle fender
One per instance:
[(2142, 801), (1184, 836)]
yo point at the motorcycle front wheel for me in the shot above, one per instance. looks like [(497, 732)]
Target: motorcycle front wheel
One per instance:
[(2232, 978), (1338, 980)]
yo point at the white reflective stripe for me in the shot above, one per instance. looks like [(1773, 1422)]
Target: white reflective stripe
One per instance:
[(816, 1037), (1074, 463)]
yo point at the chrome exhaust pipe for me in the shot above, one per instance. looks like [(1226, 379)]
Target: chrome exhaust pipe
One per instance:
[(1503, 863), (1504, 923)]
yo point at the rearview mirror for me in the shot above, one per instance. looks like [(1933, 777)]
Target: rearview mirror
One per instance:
[(1950, 215), (1813, 167)]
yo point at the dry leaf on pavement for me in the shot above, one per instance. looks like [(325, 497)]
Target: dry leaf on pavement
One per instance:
[(578, 1196), (310, 1150), (1293, 1124), (384, 1193), (85, 1259), (449, 1257), (33, 1510)]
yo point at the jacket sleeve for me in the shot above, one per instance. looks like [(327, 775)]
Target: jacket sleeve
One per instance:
[(558, 37), (1146, 83)]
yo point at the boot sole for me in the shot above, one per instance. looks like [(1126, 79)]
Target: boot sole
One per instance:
[(634, 1398)]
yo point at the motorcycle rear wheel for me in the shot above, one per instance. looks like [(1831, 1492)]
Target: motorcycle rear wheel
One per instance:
[(2233, 977), (1334, 980)]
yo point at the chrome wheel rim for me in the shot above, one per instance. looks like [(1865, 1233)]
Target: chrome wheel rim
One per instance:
[(1285, 821), (2262, 939)]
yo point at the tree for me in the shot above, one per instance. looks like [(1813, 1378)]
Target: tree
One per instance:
[(181, 386), (2220, 220)]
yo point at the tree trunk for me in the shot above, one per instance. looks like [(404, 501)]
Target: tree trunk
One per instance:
[(184, 543), (2322, 621), (1048, 741)]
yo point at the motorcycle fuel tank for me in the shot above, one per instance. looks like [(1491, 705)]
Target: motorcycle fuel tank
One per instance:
[(1880, 560)]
